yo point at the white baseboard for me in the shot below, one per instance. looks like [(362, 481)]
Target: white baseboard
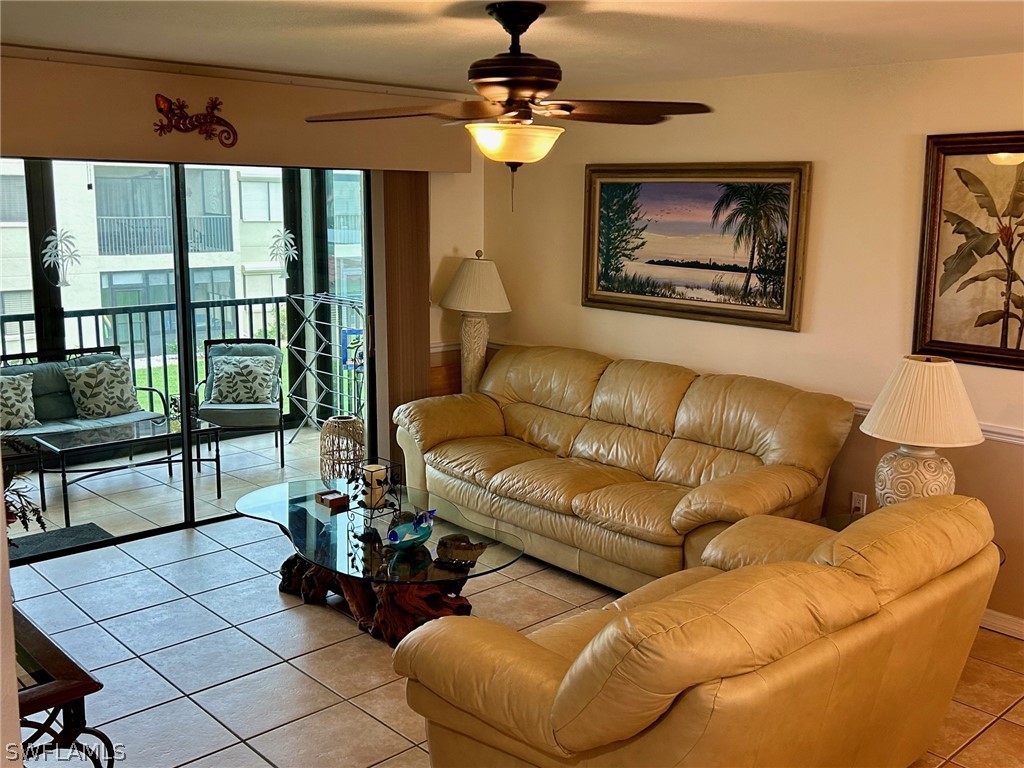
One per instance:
[(1003, 623)]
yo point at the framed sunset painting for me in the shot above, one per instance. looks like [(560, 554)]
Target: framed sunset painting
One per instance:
[(721, 241)]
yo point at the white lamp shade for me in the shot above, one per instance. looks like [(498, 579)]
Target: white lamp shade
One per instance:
[(476, 289), (514, 142), (924, 403), (1006, 158)]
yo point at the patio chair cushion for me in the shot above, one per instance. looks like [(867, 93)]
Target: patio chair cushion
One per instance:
[(242, 379), (244, 349), (241, 415), (102, 389), (16, 407)]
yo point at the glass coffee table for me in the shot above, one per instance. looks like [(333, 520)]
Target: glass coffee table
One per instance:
[(389, 591)]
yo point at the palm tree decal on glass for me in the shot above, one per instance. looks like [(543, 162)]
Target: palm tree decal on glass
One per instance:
[(993, 252), (283, 250), (758, 216), (60, 252)]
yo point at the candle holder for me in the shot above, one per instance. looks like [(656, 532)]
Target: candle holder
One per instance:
[(376, 486)]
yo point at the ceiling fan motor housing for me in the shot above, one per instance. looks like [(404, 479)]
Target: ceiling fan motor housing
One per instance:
[(515, 77)]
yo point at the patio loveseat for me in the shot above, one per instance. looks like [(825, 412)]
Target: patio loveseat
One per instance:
[(621, 470), (53, 407)]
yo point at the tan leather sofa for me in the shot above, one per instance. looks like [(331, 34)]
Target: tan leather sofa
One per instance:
[(620, 470), (793, 646)]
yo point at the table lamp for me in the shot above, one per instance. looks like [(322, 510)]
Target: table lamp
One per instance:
[(475, 291), (923, 406)]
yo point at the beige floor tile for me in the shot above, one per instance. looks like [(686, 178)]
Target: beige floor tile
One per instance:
[(145, 497), (265, 700), (248, 600), (1016, 715), (122, 594), (601, 602), (989, 688), (167, 736), (171, 513), (229, 498), (90, 509), (388, 705), (411, 758), (119, 523), (210, 660), (239, 531), (163, 625), (26, 582), (927, 760), (245, 460), (351, 667), (524, 566), (961, 724), (308, 464), (170, 547), (53, 612), (1001, 746), (1003, 650), (206, 488), (238, 756), (119, 482), (480, 583), (269, 553), (565, 586), (92, 646), (206, 511), (269, 475), (206, 572), (301, 630), (517, 605), (340, 736), (97, 564), (128, 687)]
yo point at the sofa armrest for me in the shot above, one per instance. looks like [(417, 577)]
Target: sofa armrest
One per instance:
[(759, 491), (490, 671), (764, 539), (160, 396), (434, 420)]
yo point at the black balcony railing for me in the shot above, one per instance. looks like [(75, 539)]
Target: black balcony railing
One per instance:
[(146, 235)]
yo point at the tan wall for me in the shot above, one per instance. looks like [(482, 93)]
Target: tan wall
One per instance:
[(78, 111), (991, 471), (864, 131)]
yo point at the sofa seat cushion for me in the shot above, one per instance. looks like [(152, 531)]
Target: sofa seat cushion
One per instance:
[(640, 510), (478, 459), (552, 484)]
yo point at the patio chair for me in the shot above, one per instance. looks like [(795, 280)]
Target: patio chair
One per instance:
[(246, 393)]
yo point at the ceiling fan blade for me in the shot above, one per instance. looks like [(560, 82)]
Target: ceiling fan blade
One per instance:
[(448, 110), (623, 112)]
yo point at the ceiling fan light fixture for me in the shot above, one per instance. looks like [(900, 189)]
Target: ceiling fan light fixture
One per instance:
[(514, 143), (1006, 158)]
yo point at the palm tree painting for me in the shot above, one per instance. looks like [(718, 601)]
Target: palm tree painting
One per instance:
[(706, 242)]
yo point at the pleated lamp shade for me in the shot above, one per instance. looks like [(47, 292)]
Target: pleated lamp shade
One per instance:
[(477, 289), (924, 404)]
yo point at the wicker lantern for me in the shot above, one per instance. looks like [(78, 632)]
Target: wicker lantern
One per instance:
[(341, 446)]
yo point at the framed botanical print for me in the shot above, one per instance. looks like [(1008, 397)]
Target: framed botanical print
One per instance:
[(970, 293), (722, 242)]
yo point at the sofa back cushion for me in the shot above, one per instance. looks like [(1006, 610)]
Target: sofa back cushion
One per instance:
[(50, 390), (635, 667), (545, 393), (897, 549), (777, 423)]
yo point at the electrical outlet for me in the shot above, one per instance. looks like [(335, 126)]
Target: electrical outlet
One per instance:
[(858, 503)]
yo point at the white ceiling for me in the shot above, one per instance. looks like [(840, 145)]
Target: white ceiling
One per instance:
[(602, 45)]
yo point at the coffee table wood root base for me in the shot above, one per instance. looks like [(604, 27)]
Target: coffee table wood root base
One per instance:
[(388, 612)]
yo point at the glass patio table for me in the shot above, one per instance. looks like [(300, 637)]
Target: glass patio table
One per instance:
[(388, 590)]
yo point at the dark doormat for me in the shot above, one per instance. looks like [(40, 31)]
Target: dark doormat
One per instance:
[(58, 538)]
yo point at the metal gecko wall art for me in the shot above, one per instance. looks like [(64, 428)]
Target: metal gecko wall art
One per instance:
[(209, 124)]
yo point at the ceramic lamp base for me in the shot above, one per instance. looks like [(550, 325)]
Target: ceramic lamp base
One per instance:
[(473, 336), (911, 473)]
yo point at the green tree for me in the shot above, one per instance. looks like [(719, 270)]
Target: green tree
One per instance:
[(752, 212), (771, 270), (620, 234)]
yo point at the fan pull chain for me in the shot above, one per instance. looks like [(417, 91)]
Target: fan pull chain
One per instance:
[(513, 167)]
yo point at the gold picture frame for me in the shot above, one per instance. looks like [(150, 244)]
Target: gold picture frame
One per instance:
[(970, 285), (721, 242)]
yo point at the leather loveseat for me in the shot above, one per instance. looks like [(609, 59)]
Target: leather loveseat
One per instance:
[(620, 470), (792, 646)]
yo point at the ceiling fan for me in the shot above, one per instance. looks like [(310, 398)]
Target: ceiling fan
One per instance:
[(515, 87)]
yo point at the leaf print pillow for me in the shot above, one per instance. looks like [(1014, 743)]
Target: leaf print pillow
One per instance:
[(17, 408), (240, 379), (103, 389)]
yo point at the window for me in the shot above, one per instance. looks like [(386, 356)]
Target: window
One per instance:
[(13, 203), (261, 200), (17, 303), (209, 210), (133, 210)]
